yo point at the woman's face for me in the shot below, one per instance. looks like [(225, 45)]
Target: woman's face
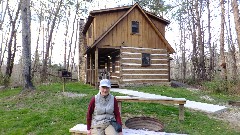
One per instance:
[(104, 90)]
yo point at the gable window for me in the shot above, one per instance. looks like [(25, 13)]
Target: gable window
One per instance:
[(146, 59), (135, 27)]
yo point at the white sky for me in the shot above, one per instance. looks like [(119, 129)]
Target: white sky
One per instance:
[(58, 49)]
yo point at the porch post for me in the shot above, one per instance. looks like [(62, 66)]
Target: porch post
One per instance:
[(168, 56), (86, 68), (91, 65), (120, 80), (96, 68)]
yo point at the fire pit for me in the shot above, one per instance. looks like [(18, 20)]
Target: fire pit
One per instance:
[(144, 123)]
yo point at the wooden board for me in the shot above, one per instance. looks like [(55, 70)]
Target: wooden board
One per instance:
[(139, 61), (155, 100), (155, 72), (139, 55)]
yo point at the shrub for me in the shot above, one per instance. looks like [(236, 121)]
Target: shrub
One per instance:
[(222, 86)]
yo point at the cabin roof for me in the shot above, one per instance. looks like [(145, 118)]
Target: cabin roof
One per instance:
[(129, 9)]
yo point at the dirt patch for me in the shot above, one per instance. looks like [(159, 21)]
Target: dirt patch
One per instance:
[(73, 95), (206, 97), (231, 115)]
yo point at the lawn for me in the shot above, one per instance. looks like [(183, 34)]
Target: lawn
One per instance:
[(48, 111)]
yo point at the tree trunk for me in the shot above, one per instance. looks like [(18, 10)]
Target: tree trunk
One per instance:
[(36, 54), (65, 45), (3, 16), (182, 48), (194, 42), (222, 55), (236, 21), (201, 66), (26, 45), (45, 60), (70, 45), (232, 48), (194, 38), (210, 69), (10, 57), (76, 36)]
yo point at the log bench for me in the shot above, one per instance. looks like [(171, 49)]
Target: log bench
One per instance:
[(79, 129), (179, 101)]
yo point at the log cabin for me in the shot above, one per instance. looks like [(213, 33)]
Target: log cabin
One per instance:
[(126, 45)]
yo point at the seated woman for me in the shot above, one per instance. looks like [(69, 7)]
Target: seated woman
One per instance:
[(103, 116)]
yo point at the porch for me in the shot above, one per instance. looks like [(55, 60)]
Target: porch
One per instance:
[(103, 63)]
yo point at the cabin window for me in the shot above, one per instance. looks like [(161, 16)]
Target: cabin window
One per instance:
[(146, 60), (90, 32), (135, 27)]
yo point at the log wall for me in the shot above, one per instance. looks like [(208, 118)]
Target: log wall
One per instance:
[(132, 71)]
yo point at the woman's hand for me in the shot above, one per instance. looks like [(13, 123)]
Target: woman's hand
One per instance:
[(89, 132), (120, 133)]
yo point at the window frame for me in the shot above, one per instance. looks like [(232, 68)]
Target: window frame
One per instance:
[(135, 27), (146, 59)]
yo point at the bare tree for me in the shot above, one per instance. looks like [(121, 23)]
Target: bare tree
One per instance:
[(46, 58), (201, 67), (65, 42), (3, 16), (181, 23), (211, 65), (192, 29), (26, 45), (222, 55), (76, 35), (236, 20), (11, 54), (231, 47), (36, 54)]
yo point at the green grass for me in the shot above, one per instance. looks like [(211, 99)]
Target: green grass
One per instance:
[(47, 111)]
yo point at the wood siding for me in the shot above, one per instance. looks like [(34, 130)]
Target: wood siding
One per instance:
[(159, 25), (89, 39), (102, 23), (121, 34), (132, 72)]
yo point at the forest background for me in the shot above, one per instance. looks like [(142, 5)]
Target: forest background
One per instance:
[(205, 35)]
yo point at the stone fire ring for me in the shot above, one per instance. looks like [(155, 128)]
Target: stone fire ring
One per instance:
[(144, 123)]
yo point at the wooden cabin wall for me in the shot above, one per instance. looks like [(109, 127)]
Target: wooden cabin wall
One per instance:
[(121, 35), (132, 71), (101, 23), (159, 25), (104, 21), (88, 38)]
